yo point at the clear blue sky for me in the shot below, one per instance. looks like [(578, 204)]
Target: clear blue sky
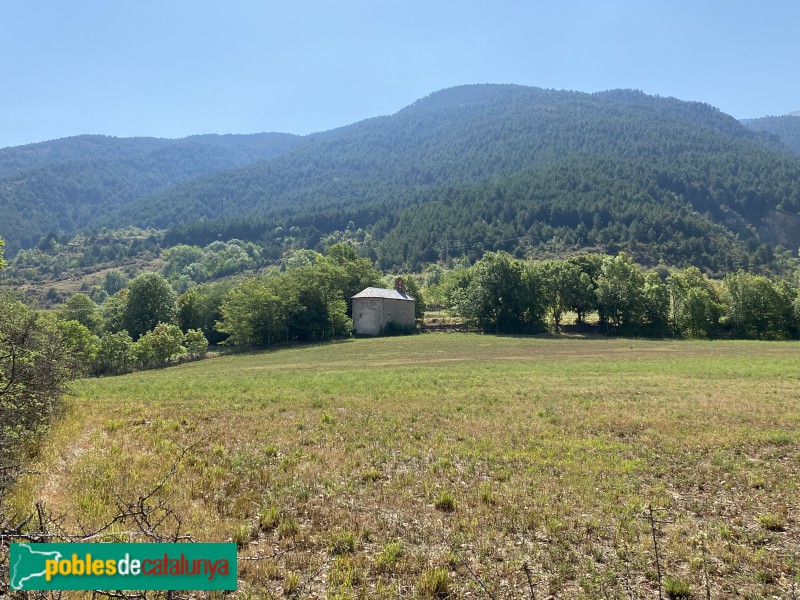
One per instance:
[(171, 68)]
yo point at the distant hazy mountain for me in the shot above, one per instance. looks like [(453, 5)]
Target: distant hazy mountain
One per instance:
[(785, 128), (59, 186)]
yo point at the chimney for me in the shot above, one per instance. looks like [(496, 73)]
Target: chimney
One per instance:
[(400, 285)]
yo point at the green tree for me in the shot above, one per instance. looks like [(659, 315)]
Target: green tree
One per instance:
[(195, 342), (356, 273), (620, 292), (321, 311), (2, 261), (81, 308), (80, 345), (113, 281), (656, 305), (696, 303), (502, 296), (150, 301), (179, 257), (413, 289), (114, 354), (189, 311), (199, 308), (563, 287), (257, 312), (585, 298), (159, 346), (113, 311), (700, 314), (757, 307)]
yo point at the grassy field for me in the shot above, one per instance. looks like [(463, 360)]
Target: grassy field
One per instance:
[(445, 463)]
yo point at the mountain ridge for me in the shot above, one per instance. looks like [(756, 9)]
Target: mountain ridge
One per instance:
[(614, 169), (61, 185)]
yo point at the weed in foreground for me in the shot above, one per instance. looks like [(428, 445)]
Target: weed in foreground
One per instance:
[(434, 583), (677, 589), (445, 502), (771, 522), (389, 556), (291, 584), (287, 528), (269, 518), (342, 542), (244, 534)]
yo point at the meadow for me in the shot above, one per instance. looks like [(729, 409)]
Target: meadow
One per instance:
[(457, 465)]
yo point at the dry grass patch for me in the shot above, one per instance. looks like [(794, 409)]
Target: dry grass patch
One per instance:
[(333, 460)]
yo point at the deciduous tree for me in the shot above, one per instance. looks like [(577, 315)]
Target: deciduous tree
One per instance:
[(150, 301)]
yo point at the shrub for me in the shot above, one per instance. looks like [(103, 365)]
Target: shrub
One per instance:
[(392, 329), (34, 367), (195, 342)]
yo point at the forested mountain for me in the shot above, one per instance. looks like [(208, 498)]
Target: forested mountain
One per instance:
[(60, 186), (786, 128), (522, 169), (474, 166)]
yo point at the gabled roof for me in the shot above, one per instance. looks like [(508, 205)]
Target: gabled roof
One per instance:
[(372, 292)]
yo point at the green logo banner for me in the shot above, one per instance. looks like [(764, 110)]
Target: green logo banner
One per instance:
[(84, 566)]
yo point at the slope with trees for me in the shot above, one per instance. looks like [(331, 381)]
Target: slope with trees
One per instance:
[(61, 186), (668, 180), (785, 128)]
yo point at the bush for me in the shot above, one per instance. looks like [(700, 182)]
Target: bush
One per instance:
[(195, 342), (34, 367)]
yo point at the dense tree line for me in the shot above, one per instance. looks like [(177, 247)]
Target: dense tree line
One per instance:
[(143, 323), (502, 294), (602, 204)]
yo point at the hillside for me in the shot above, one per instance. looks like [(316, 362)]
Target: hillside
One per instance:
[(673, 181), (785, 128), (531, 171), (60, 186)]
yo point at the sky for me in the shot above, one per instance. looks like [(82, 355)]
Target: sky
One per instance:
[(172, 68)]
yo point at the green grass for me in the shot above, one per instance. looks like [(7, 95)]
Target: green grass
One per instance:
[(331, 459)]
